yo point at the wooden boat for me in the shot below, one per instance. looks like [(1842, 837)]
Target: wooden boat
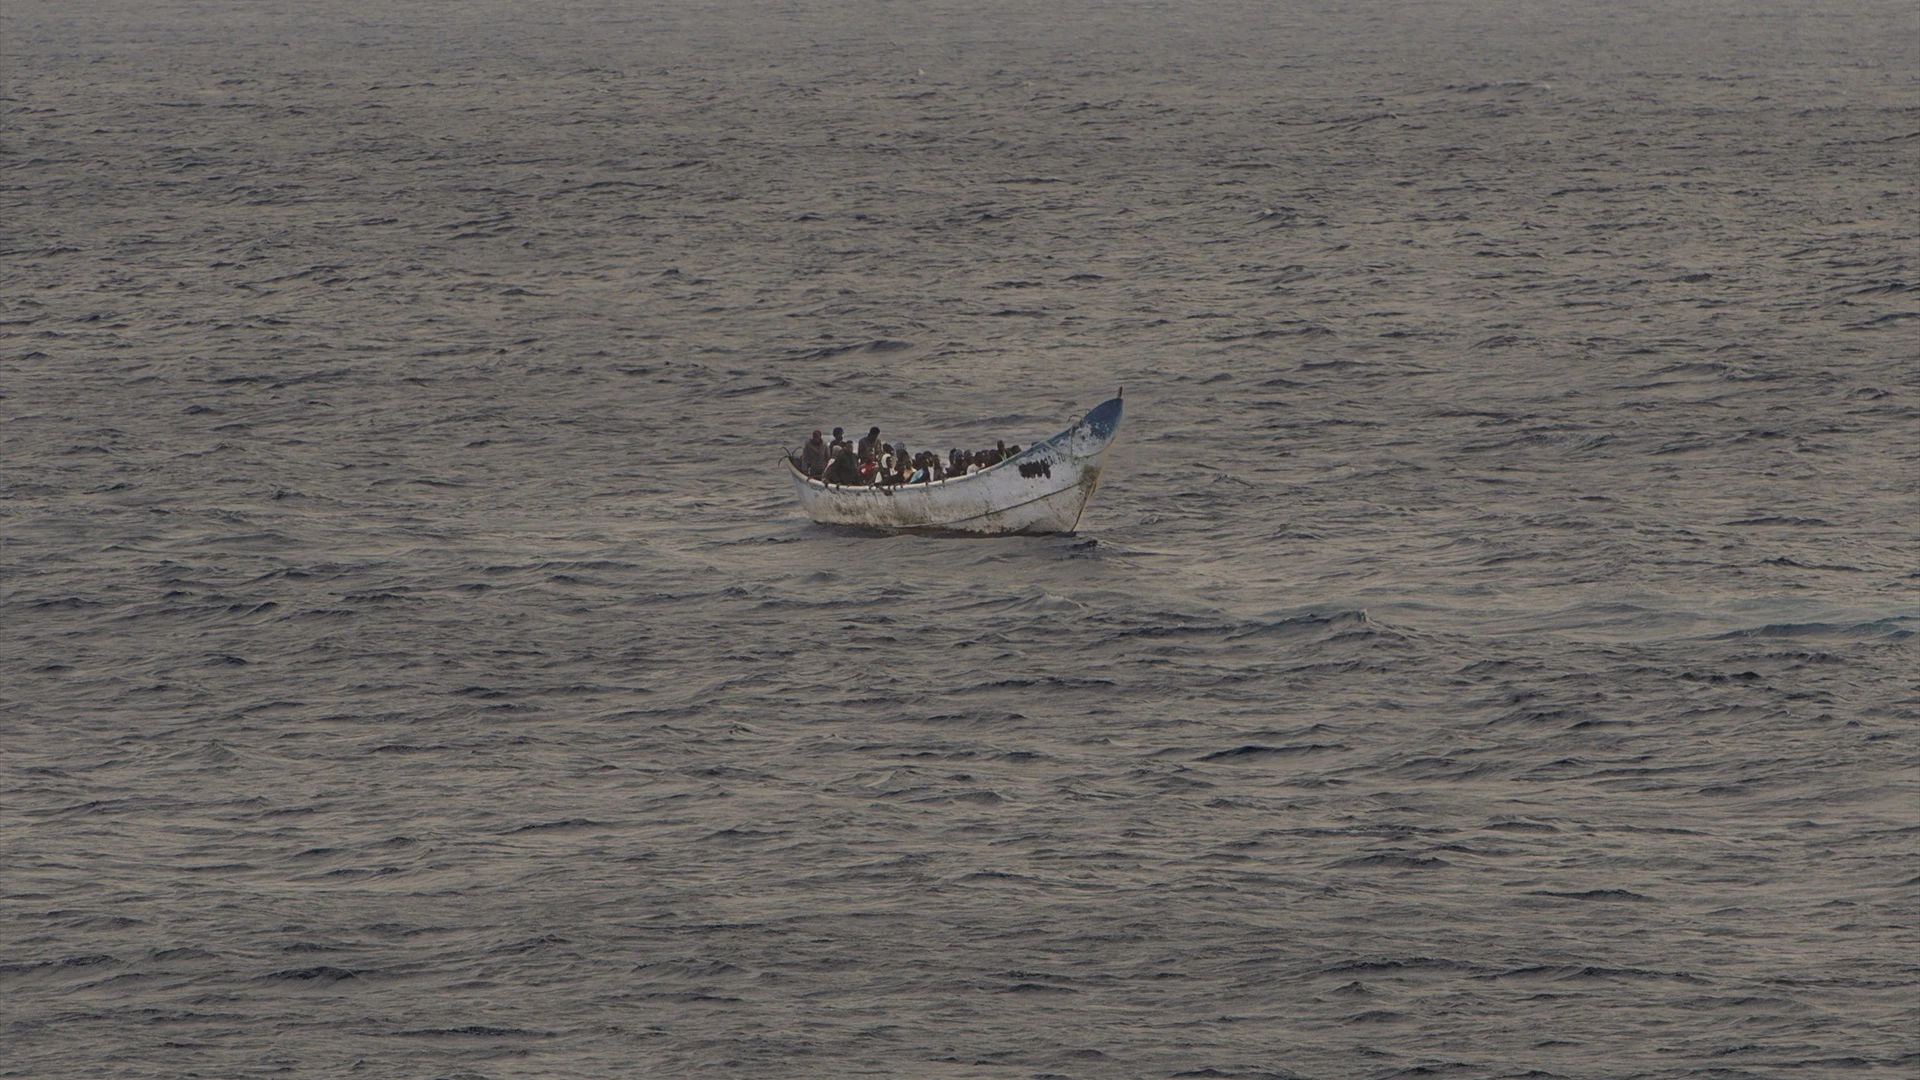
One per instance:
[(1042, 489)]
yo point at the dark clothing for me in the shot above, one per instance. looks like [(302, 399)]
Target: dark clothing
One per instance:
[(842, 469), (813, 457)]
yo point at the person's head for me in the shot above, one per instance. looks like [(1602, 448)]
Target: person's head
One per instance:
[(816, 435), (837, 432), (873, 432)]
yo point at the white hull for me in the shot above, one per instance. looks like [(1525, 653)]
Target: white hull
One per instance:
[(1047, 496)]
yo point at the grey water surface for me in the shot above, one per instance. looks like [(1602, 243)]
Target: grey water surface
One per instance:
[(1491, 651)]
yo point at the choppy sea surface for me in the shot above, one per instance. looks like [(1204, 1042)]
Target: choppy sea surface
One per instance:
[(1491, 652)]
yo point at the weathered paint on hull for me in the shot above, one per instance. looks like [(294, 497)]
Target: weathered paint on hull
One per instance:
[(1048, 495)]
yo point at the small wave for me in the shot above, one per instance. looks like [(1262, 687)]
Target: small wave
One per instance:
[(84, 960), (1499, 84), (876, 345), (1787, 561), (1698, 369), (1896, 627), (1409, 963), (320, 973), (488, 1031), (1389, 859), (1879, 321), (1287, 626), (569, 823), (1594, 972), (1782, 519), (1311, 330), (1252, 750), (67, 602), (1520, 826)]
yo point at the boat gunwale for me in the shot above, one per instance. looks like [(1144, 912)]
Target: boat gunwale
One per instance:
[(890, 488), (954, 525)]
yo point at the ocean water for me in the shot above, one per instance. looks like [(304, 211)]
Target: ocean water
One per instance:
[(1490, 653)]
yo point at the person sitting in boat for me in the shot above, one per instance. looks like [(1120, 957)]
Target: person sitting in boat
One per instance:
[(813, 456), (839, 440), (842, 469), (870, 447)]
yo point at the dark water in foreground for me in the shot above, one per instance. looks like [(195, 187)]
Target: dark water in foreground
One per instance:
[(1496, 657)]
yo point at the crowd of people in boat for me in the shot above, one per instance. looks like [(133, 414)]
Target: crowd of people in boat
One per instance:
[(869, 461)]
